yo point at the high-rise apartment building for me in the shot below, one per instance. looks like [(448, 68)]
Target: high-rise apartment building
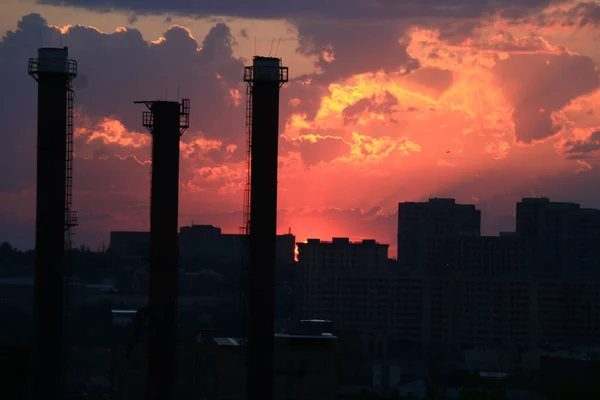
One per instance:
[(326, 268), (564, 235), (420, 222), (455, 288)]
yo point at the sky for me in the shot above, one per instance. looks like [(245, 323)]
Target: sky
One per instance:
[(483, 101)]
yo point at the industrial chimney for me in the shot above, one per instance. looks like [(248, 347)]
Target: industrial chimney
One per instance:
[(54, 73), (265, 77), (166, 121)]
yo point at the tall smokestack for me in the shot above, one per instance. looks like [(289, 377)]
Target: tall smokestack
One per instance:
[(53, 72), (265, 77), (166, 121)]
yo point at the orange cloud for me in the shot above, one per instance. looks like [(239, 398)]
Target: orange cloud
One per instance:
[(396, 105), (328, 54), (360, 150), (198, 146), (66, 28), (367, 150), (568, 14), (352, 147), (235, 96), (222, 179), (111, 131)]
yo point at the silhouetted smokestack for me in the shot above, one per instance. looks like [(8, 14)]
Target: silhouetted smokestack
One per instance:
[(54, 72), (166, 121), (265, 78)]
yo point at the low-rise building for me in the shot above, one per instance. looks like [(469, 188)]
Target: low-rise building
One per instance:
[(305, 367)]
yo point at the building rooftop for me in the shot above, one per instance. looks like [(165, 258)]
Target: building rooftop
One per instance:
[(338, 240), (316, 320), (328, 336), (240, 342), (227, 341)]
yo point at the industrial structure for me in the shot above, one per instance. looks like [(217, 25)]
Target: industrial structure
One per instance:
[(265, 77), (166, 121), (55, 219)]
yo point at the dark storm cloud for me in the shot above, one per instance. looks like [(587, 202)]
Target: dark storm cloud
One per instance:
[(580, 149), (324, 9), (456, 31), (589, 13), (306, 92), (538, 84), (356, 48), (383, 104), (362, 35), (578, 15), (122, 67), (18, 112), (114, 70)]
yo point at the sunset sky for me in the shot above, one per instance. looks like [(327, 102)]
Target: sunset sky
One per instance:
[(388, 101)]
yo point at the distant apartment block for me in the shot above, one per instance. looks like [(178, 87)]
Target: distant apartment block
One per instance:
[(208, 241), (332, 281), (200, 241), (130, 243), (565, 237), (479, 256), (455, 288), (419, 222)]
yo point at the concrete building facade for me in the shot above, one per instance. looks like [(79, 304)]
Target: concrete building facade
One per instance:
[(200, 241), (453, 288), (419, 222), (305, 367)]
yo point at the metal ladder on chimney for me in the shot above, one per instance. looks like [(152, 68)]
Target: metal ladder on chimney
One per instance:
[(70, 224), (70, 215), (245, 229)]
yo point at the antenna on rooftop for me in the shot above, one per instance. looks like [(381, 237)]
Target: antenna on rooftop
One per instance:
[(271, 48), (277, 47)]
